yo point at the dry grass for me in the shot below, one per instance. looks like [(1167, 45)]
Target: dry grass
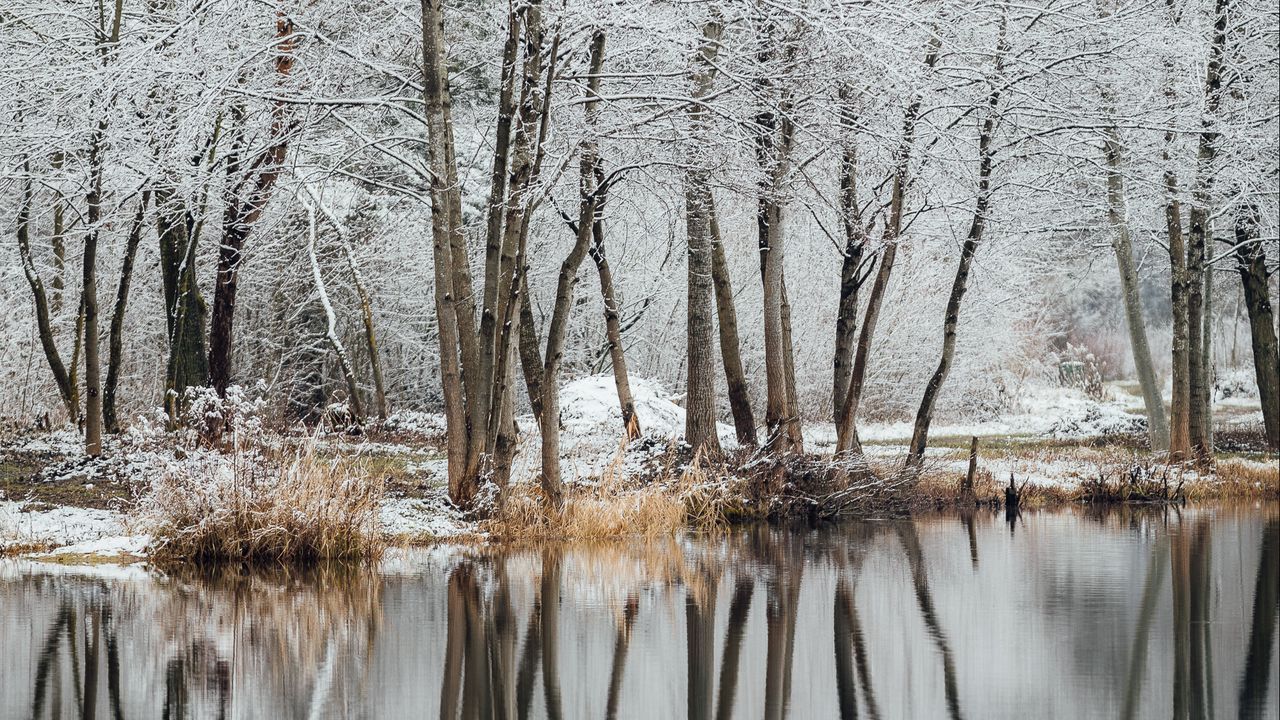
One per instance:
[(247, 507), (589, 513)]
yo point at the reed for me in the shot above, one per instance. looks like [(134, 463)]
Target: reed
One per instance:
[(245, 506)]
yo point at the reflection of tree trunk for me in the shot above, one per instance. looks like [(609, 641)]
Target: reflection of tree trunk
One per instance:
[(454, 645), (500, 630), (1190, 553), (92, 639), (620, 645), (735, 631), (550, 631), (920, 579), (780, 621), (1146, 613), (63, 621), (529, 658), (1262, 632), (476, 692), (700, 643), (846, 688)]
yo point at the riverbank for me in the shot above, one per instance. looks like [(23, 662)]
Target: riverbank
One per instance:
[(1060, 447)]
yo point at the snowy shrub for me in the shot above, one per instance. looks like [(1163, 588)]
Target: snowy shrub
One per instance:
[(246, 506)]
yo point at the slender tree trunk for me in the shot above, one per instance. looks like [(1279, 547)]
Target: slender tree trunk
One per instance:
[(851, 267), (331, 322), (1207, 364), (1251, 265), (774, 135), (443, 164), (613, 331), (744, 422), (951, 320), (557, 328), (251, 190), (700, 400), (1199, 424), (846, 426), (62, 378), (115, 344), (1179, 433), (89, 298), (1157, 425)]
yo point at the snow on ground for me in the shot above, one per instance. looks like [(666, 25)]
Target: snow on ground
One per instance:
[(59, 525), (591, 426)]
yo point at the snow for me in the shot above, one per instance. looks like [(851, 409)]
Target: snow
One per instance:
[(58, 525), (589, 409), (111, 546)]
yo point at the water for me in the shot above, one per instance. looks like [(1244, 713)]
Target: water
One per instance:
[(1068, 614)]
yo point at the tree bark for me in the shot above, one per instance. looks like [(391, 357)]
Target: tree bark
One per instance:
[(774, 135), (61, 377), (115, 343), (1157, 425), (700, 399), (851, 266), (612, 324), (1251, 265), (846, 427), (250, 192), (1179, 407), (744, 422), (444, 196), (951, 320), (331, 322), (1199, 424)]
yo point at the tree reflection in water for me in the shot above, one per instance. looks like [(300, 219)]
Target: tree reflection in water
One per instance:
[(1123, 614)]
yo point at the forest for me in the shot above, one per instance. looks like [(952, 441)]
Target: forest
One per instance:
[(730, 259)]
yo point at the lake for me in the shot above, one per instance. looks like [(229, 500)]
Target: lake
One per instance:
[(1074, 613)]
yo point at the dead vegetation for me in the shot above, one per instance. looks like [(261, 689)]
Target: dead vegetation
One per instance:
[(246, 506)]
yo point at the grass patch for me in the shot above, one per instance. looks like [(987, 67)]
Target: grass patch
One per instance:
[(247, 507)]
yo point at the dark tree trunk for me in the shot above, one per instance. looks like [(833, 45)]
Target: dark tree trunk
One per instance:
[(115, 343), (744, 422), (1251, 264), (250, 191)]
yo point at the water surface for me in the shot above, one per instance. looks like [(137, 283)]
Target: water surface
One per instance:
[(1068, 614)]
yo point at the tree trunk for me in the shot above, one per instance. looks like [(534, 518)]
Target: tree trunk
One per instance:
[(444, 178), (700, 400), (62, 378), (110, 417), (744, 422), (250, 192), (613, 331), (1157, 425), (89, 298), (185, 308), (1179, 408), (366, 306), (851, 270), (951, 320), (846, 426), (1251, 265), (1199, 423), (331, 322), (774, 134)]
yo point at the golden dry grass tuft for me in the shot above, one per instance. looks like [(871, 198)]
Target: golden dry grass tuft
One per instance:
[(589, 512), (246, 507)]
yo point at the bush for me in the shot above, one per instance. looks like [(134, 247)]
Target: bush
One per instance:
[(246, 506)]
